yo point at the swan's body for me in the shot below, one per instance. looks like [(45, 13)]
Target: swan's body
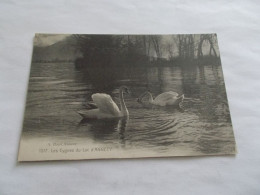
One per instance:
[(164, 99), (104, 107)]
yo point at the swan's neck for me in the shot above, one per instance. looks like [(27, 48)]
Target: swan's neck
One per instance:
[(150, 97), (124, 110)]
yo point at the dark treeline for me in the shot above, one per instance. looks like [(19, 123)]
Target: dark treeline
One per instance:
[(113, 50), (55, 61), (145, 50)]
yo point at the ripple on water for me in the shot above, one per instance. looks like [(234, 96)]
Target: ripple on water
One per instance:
[(56, 94)]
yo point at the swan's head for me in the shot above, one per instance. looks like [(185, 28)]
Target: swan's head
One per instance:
[(124, 89), (142, 96)]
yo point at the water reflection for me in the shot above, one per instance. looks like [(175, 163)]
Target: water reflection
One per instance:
[(202, 125), (104, 129)]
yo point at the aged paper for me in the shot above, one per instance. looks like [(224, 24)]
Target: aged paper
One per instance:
[(125, 96)]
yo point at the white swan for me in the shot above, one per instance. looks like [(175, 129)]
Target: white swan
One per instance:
[(105, 107), (169, 98)]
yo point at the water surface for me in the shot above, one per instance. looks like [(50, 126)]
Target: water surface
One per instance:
[(202, 126)]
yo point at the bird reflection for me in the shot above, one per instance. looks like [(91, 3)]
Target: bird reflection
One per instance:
[(105, 130), (122, 125), (173, 108)]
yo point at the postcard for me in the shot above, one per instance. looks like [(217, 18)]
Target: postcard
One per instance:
[(125, 96)]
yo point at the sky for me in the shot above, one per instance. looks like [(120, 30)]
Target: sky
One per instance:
[(42, 40)]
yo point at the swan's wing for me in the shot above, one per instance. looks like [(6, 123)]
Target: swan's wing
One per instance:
[(166, 96), (172, 93), (90, 105), (105, 103)]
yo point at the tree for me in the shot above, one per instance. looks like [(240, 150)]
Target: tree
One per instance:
[(169, 48), (211, 39), (156, 40), (186, 46), (146, 44)]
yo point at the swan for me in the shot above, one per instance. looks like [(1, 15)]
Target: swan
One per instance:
[(104, 107), (169, 98)]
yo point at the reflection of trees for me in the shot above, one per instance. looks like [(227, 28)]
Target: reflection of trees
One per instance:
[(213, 96), (206, 98), (109, 58), (102, 79), (162, 79), (152, 80), (110, 61), (207, 91), (155, 80), (189, 76), (121, 127), (101, 130)]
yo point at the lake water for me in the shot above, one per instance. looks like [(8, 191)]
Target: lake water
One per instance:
[(203, 125)]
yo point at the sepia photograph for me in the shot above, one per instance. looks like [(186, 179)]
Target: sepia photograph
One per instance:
[(129, 97), (125, 96)]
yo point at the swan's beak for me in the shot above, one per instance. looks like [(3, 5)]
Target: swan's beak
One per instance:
[(128, 91)]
